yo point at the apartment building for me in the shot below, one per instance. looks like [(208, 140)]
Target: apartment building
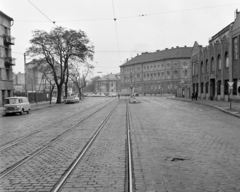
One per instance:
[(158, 72), (217, 64), (6, 60)]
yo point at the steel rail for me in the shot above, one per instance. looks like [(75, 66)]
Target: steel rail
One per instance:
[(65, 176), (130, 173), (12, 143), (18, 164)]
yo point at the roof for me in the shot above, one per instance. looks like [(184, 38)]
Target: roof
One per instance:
[(3, 14), (109, 77), (174, 53)]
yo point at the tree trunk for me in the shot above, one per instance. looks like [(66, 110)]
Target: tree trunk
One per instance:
[(59, 95), (80, 94), (66, 89)]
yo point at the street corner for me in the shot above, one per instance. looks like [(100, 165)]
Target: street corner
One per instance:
[(134, 101)]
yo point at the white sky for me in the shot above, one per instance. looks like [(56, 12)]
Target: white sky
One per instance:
[(166, 24)]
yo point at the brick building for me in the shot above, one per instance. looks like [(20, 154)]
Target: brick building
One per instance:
[(158, 72), (217, 64), (6, 60), (19, 82)]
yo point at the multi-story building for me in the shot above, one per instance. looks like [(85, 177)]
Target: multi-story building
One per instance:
[(6, 60), (217, 64), (108, 84), (19, 82), (36, 81), (158, 72)]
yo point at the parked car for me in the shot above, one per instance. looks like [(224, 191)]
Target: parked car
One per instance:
[(112, 95), (72, 99), (54, 99), (15, 105)]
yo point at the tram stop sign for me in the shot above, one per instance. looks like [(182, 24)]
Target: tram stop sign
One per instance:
[(230, 84)]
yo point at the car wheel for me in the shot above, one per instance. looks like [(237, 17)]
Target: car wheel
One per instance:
[(21, 112), (28, 111)]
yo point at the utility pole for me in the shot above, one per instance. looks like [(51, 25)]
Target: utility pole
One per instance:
[(25, 69)]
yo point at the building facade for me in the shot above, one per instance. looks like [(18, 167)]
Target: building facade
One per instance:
[(19, 82), (159, 72), (36, 81), (6, 60), (217, 64), (108, 84)]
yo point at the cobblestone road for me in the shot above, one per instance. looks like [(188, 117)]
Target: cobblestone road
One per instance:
[(184, 147), (177, 147)]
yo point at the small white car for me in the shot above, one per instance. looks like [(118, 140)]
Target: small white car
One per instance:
[(72, 99), (16, 105)]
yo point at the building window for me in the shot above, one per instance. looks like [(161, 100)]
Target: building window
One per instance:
[(212, 64), (226, 60), (185, 65), (175, 74), (111, 84), (202, 71), (162, 75), (185, 72), (193, 69), (147, 75), (219, 87), (206, 87), (219, 62), (158, 74), (0, 73), (207, 66), (202, 87), (144, 75), (235, 48), (226, 87), (162, 65), (7, 74)]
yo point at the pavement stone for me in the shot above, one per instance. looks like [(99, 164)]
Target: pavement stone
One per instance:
[(220, 105)]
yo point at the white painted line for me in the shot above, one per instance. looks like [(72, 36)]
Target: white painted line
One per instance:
[(67, 113), (200, 110)]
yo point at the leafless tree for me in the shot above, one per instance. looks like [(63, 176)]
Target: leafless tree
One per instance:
[(78, 73)]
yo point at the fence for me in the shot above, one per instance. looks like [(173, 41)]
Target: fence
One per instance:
[(33, 97)]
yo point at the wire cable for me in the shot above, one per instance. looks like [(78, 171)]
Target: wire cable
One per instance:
[(54, 22), (115, 21)]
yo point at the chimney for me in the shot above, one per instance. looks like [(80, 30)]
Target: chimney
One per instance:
[(177, 47), (166, 48), (185, 46)]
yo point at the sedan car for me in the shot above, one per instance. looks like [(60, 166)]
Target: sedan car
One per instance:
[(72, 99)]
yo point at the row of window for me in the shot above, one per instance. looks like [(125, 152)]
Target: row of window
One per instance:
[(226, 87), (152, 67), (211, 68)]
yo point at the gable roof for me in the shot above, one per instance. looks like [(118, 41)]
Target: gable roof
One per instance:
[(174, 53)]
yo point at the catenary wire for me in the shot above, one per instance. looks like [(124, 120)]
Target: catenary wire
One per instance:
[(128, 17)]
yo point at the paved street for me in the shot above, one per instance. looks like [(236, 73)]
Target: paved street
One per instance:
[(177, 146)]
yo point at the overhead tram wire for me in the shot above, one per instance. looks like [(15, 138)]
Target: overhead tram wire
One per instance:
[(115, 21), (126, 17), (54, 22)]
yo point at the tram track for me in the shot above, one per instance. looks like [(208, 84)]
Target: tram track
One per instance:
[(129, 184), (13, 143), (92, 144), (22, 161)]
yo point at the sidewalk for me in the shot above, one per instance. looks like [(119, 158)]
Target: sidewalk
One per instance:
[(36, 106), (220, 105)]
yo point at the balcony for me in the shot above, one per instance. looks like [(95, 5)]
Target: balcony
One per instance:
[(9, 61), (8, 40)]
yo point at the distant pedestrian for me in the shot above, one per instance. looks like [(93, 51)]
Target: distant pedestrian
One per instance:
[(118, 95), (196, 96), (193, 96)]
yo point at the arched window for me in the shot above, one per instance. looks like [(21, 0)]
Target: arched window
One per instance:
[(212, 64), (219, 62), (226, 60), (207, 66)]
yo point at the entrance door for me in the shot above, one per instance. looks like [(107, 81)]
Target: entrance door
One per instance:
[(212, 89)]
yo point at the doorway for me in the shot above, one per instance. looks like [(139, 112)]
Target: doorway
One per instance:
[(212, 89)]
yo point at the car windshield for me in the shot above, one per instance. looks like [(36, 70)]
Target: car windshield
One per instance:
[(11, 101)]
